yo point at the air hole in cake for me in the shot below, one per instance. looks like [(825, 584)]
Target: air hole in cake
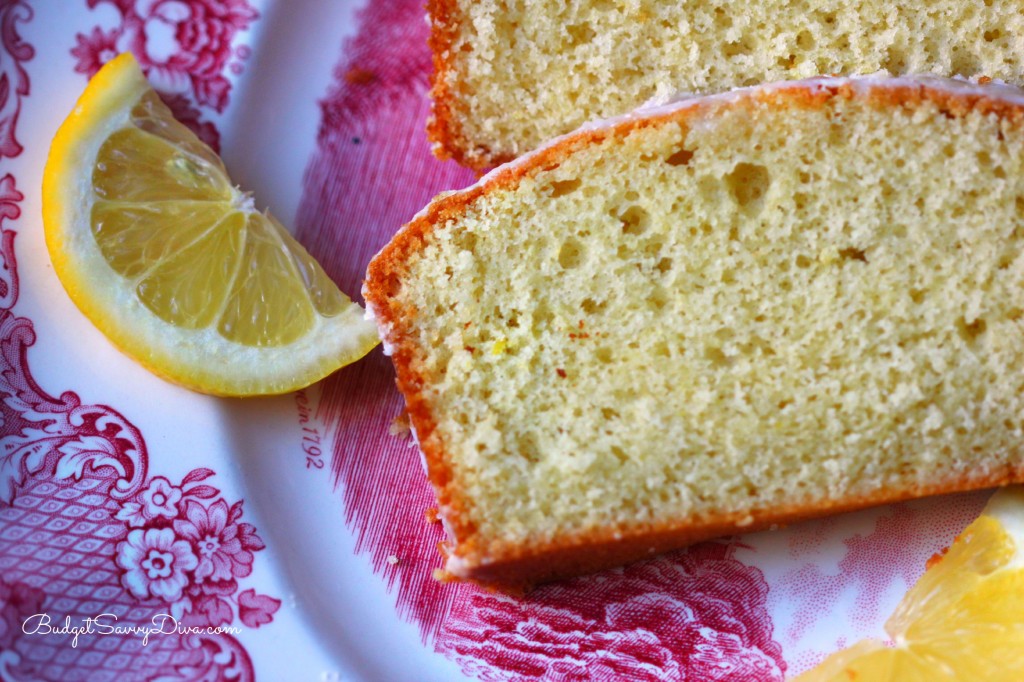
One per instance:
[(609, 414), (723, 19), (652, 247), (787, 62), (680, 158), (664, 265), (805, 41), (748, 183), (895, 60), (803, 261), (603, 355), (735, 49), (465, 241), (661, 349), (571, 254), (619, 454), (658, 299), (717, 357), (917, 296), (853, 254), (999, 172), (992, 35), (526, 446), (634, 220), (580, 34), (542, 315), (970, 331), (559, 188), (591, 307)]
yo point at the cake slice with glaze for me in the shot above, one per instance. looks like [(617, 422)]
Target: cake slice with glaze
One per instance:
[(716, 316), (510, 75)]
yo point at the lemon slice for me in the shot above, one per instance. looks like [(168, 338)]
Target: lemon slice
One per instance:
[(963, 620), (173, 263)]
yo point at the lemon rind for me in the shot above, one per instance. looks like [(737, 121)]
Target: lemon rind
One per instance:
[(227, 368)]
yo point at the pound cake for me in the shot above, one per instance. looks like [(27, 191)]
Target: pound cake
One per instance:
[(715, 316), (509, 75)]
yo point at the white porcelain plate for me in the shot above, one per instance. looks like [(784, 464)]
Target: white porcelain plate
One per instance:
[(126, 552)]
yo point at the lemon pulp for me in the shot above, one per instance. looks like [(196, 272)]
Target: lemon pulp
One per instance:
[(174, 264), (963, 620)]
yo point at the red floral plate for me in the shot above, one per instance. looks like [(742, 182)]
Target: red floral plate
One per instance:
[(126, 551)]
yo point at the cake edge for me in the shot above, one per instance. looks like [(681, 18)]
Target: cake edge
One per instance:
[(446, 138)]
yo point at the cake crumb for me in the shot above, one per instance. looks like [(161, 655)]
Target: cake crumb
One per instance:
[(400, 426), (935, 558), (432, 515), (443, 576), (393, 560)]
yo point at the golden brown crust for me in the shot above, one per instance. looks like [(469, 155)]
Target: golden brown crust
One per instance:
[(522, 567), (516, 565), (442, 126)]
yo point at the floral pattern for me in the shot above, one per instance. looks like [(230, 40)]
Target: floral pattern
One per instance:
[(183, 46), (698, 614), (189, 554), (155, 563), (225, 547), (14, 83), (83, 527)]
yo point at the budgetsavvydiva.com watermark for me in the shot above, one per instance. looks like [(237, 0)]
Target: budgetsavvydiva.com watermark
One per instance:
[(105, 624)]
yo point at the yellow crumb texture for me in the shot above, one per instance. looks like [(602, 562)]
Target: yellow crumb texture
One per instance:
[(762, 307), (521, 72)]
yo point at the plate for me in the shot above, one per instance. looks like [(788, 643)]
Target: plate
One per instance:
[(147, 532)]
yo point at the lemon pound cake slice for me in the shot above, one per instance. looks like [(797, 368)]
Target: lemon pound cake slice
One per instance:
[(510, 75), (715, 316)]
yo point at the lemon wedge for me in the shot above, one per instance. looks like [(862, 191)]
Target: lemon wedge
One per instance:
[(963, 620), (173, 263)]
